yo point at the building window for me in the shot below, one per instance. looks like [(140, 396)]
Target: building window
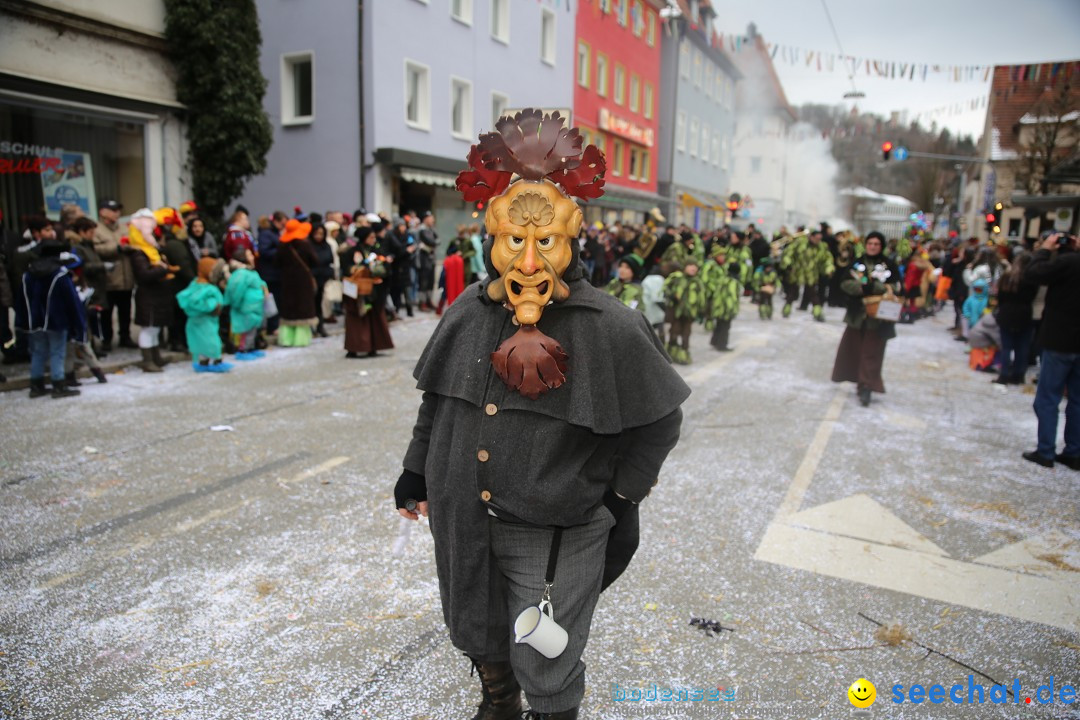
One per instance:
[(647, 102), (500, 20), (698, 63), (633, 174), (680, 131), (601, 74), (547, 36), (637, 17), (705, 142), (499, 103), (694, 128), (708, 86), (583, 64), (298, 88), (729, 93), (643, 175), (461, 10), (461, 108), (650, 28), (417, 95), (620, 84), (599, 141), (616, 154), (715, 150), (684, 59), (605, 6), (755, 164), (635, 93), (621, 11)]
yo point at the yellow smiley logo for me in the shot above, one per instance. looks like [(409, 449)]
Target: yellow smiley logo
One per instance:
[(862, 693)]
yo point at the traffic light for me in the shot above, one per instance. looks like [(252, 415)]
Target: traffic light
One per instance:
[(993, 219), (886, 150)]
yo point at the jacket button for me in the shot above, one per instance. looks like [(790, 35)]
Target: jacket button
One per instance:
[(491, 409), (485, 496), (483, 456)]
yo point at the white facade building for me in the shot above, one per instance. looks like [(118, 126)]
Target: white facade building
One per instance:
[(88, 108), (888, 214)]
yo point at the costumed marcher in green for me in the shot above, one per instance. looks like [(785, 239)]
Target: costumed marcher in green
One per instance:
[(625, 286), (685, 297), (534, 456), (202, 302), (688, 247), (764, 284), (723, 288), (804, 262), (245, 294)]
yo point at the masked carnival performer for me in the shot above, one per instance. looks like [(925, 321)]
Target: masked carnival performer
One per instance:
[(548, 409)]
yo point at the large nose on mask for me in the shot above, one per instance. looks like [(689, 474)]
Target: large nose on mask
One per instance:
[(529, 264)]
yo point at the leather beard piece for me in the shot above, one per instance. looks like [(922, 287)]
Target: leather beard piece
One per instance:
[(530, 362)]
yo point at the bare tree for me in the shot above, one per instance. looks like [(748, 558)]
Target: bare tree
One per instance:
[(1048, 134)]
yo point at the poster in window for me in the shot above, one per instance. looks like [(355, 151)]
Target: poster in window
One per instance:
[(72, 183)]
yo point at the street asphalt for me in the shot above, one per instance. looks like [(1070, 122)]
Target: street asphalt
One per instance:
[(226, 546)]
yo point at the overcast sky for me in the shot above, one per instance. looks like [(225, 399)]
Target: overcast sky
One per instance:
[(944, 32)]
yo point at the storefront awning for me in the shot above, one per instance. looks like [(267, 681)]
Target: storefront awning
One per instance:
[(689, 200), (428, 177)]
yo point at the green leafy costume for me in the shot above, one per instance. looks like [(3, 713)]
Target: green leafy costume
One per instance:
[(629, 294), (765, 275)]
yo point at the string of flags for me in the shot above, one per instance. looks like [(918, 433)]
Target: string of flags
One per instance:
[(952, 109), (856, 66)]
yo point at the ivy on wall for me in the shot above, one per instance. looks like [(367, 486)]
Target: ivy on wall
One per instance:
[(215, 49)]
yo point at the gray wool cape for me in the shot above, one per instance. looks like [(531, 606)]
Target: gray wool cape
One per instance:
[(547, 461)]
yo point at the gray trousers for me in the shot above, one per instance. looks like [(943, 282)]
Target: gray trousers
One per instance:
[(520, 556)]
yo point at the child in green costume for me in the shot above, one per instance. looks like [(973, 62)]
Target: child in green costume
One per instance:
[(764, 284), (625, 285), (202, 301), (245, 294)]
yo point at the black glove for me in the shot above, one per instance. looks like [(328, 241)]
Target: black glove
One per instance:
[(410, 486), (617, 505)]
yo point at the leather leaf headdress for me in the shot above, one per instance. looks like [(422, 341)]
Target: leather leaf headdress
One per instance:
[(533, 146)]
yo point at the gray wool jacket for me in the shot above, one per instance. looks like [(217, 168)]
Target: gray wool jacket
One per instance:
[(548, 461)]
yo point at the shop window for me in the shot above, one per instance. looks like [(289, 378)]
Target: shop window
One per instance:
[(50, 158), (298, 88)]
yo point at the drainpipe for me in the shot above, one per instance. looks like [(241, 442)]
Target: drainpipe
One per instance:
[(360, 86)]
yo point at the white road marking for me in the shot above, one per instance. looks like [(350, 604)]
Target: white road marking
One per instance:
[(859, 540), (797, 491), (990, 589)]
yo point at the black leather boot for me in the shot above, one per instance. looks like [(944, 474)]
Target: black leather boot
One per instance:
[(570, 714), (71, 380), (502, 694)]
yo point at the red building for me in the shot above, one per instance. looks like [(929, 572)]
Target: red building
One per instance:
[(616, 96)]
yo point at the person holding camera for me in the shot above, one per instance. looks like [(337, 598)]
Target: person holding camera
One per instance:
[(1057, 265)]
